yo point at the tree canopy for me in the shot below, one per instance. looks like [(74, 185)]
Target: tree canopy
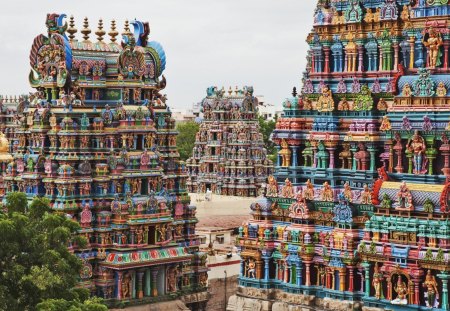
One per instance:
[(266, 128), (186, 138), (35, 261)]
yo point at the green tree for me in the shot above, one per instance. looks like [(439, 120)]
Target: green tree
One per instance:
[(35, 262), (93, 304), (186, 138), (266, 128)]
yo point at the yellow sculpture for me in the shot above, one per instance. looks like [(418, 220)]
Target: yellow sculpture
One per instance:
[(327, 193), (325, 102), (285, 154), (433, 43), (385, 124), (377, 282), (432, 290), (441, 90), (4, 148), (406, 91)]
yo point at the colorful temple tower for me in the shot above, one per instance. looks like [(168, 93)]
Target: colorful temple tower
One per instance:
[(356, 216), (98, 140), (229, 157)]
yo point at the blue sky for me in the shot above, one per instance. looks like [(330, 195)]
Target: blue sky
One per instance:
[(207, 42)]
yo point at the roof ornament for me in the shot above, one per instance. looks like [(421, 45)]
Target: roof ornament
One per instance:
[(113, 33), (100, 32), (72, 30), (86, 31)]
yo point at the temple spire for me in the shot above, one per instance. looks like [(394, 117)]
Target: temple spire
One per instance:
[(100, 32), (86, 31), (126, 29), (113, 32), (72, 30)]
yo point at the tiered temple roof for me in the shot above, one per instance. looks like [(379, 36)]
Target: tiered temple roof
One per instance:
[(98, 140), (229, 157), (358, 209)]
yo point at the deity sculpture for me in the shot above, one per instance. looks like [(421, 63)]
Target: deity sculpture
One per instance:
[(377, 282), (325, 102), (404, 198), (288, 189), (382, 105), (272, 187), (385, 124), (441, 90), (126, 284), (433, 42), (309, 192), (327, 193), (285, 154), (348, 194), (402, 292), (343, 105), (416, 145), (365, 195), (407, 91), (432, 291), (346, 156), (251, 268)]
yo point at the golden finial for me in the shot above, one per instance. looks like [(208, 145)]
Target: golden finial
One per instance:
[(100, 32), (236, 91), (230, 91), (86, 31), (113, 32), (72, 30), (126, 29)]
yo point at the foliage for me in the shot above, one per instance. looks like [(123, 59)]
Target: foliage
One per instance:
[(93, 304), (266, 128), (35, 262), (186, 138)]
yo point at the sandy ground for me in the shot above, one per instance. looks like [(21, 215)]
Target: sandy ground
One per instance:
[(221, 211)]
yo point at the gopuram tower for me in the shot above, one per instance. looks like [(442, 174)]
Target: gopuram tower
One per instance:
[(356, 216), (229, 157), (98, 140)]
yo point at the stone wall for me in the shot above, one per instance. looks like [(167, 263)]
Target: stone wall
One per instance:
[(275, 300), (217, 292)]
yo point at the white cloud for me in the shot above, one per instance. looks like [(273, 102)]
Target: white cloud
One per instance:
[(207, 42)]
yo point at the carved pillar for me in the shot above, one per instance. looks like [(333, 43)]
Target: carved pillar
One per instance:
[(411, 41), (266, 268), (140, 287), (147, 283), (286, 273), (308, 273), (350, 279), (380, 63), (446, 45), (346, 62), (298, 271), (331, 152), (416, 291), (396, 50), (259, 269), (360, 58), (278, 156), (154, 284), (444, 276), (342, 274), (372, 150), (294, 156), (366, 267), (328, 280), (327, 59), (119, 284), (133, 285), (353, 149)]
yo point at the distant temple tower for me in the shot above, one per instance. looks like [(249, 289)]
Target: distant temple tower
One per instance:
[(356, 216), (98, 140), (229, 157)]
